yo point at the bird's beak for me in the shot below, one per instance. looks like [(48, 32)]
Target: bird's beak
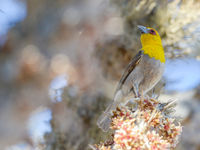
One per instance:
[(143, 29)]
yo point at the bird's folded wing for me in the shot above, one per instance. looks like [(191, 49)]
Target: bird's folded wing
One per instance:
[(134, 62)]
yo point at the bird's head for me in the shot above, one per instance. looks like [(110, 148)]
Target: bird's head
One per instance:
[(151, 43)]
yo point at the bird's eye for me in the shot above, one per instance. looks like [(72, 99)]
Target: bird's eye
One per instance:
[(152, 32)]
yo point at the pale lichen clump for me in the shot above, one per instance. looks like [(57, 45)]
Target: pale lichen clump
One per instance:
[(147, 125)]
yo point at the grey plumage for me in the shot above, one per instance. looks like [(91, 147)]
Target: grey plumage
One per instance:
[(141, 75)]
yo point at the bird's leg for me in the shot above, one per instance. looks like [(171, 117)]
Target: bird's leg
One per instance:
[(157, 90), (154, 95), (137, 94), (141, 98), (136, 90)]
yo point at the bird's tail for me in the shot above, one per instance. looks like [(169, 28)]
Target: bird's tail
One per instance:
[(105, 119)]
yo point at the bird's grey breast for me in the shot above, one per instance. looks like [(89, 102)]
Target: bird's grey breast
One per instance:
[(152, 70), (151, 64)]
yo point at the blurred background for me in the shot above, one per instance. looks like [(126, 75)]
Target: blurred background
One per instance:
[(60, 61)]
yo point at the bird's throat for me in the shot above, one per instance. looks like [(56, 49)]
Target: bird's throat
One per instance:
[(155, 51)]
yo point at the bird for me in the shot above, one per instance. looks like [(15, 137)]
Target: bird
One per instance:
[(143, 72)]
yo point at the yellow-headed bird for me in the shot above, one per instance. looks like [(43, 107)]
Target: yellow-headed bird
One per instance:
[(141, 75)]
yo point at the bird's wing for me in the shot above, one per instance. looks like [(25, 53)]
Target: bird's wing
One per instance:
[(134, 62)]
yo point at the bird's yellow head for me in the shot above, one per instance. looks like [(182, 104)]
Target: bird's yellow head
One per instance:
[(151, 43)]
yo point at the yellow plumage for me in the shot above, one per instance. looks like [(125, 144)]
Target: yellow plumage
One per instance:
[(152, 45)]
